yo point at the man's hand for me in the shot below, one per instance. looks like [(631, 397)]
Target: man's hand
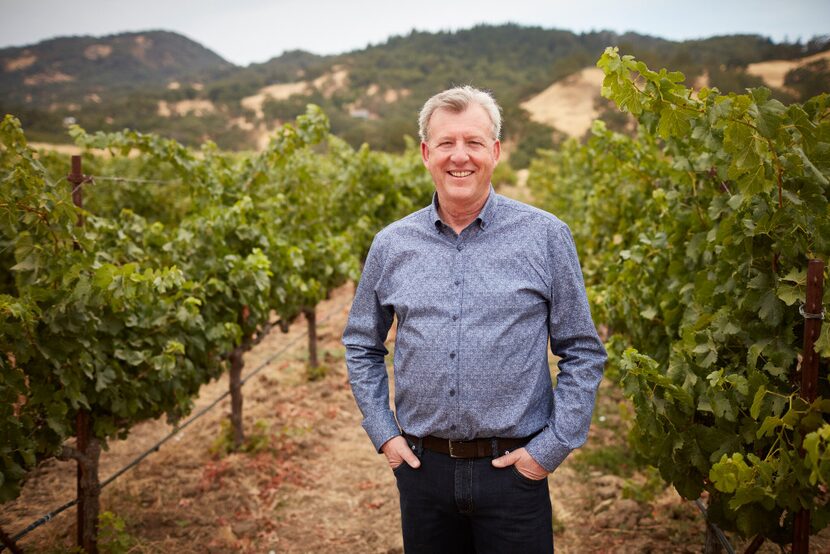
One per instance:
[(524, 462), (397, 451)]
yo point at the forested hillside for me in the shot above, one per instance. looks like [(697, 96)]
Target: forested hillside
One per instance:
[(76, 69), (163, 82)]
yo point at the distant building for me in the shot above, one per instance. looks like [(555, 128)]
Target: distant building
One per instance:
[(359, 113)]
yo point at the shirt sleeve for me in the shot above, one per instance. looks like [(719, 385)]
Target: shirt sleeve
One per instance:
[(364, 338), (574, 339)]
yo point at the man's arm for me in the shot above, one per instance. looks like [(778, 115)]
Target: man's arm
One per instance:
[(574, 339), (364, 337)]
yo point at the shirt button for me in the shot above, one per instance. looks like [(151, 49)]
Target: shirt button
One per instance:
[(452, 427), (459, 248), (452, 392), (452, 354), (455, 318), (457, 282)]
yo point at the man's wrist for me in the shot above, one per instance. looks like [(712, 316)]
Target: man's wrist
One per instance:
[(381, 427), (548, 452), (386, 443)]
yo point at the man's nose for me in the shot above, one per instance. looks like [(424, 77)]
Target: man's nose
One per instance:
[(459, 153)]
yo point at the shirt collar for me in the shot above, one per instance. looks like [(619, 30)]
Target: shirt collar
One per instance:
[(484, 218), (488, 212), (433, 211)]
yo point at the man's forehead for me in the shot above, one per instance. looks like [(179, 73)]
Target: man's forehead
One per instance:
[(471, 109), (465, 133), (466, 122)]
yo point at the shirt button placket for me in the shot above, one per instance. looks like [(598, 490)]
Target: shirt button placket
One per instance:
[(457, 309)]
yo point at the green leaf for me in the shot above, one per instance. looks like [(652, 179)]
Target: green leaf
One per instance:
[(132, 357), (768, 426), (768, 113), (103, 378), (757, 401), (822, 345), (789, 294), (174, 347), (740, 141), (722, 407), (29, 263), (648, 313), (674, 122), (770, 310), (755, 351), (753, 181), (729, 473)]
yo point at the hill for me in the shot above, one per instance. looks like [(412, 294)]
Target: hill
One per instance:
[(163, 82), (74, 69), (803, 77)]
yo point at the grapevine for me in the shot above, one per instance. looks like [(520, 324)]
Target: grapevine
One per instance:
[(183, 259), (697, 234)]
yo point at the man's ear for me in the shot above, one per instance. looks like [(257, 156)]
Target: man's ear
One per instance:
[(496, 150), (424, 152)]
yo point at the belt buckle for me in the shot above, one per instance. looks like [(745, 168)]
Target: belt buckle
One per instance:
[(453, 454)]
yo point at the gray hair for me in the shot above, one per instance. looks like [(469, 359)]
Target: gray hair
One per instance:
[(457, 100)]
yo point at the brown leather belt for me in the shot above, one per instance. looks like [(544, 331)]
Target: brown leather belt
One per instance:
[(476, 448)]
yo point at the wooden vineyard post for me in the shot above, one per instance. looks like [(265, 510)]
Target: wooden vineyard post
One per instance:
[(756, 543), (235, 381), (311, 318), (89, 489), (813, 314), (7, 541), (77, 178), (712, 544), (88, 447)]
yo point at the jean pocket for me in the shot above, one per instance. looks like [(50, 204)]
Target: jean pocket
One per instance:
[(401, 468), (518, 475)]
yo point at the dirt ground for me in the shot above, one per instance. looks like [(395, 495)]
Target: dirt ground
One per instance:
[(316, 485)]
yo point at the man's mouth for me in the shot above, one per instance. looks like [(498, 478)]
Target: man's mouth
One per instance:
[(460, 173)]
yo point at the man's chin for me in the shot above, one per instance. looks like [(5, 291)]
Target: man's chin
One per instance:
[(469, 192), (459, 196)]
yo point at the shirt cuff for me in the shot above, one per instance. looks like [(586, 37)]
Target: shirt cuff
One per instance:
[(381, 428), (547, 450)]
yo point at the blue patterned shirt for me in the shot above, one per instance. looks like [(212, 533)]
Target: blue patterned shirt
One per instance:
[(474, 314)]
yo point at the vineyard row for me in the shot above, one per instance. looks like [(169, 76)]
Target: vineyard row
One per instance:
[(118, 312), (697, 234)]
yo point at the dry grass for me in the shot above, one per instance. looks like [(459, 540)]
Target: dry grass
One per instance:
[(568, 104), (773, 72)]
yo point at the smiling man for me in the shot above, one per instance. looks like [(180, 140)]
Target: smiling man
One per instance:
[(479, 283)]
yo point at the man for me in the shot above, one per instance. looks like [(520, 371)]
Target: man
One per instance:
[(478, 282)]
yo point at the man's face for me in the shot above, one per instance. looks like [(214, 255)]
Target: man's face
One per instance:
[(460, 154)]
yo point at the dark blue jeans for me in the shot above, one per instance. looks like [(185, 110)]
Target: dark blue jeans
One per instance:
[(452, 505)]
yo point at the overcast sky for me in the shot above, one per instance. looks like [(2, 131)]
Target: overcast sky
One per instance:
[(246, 31)]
